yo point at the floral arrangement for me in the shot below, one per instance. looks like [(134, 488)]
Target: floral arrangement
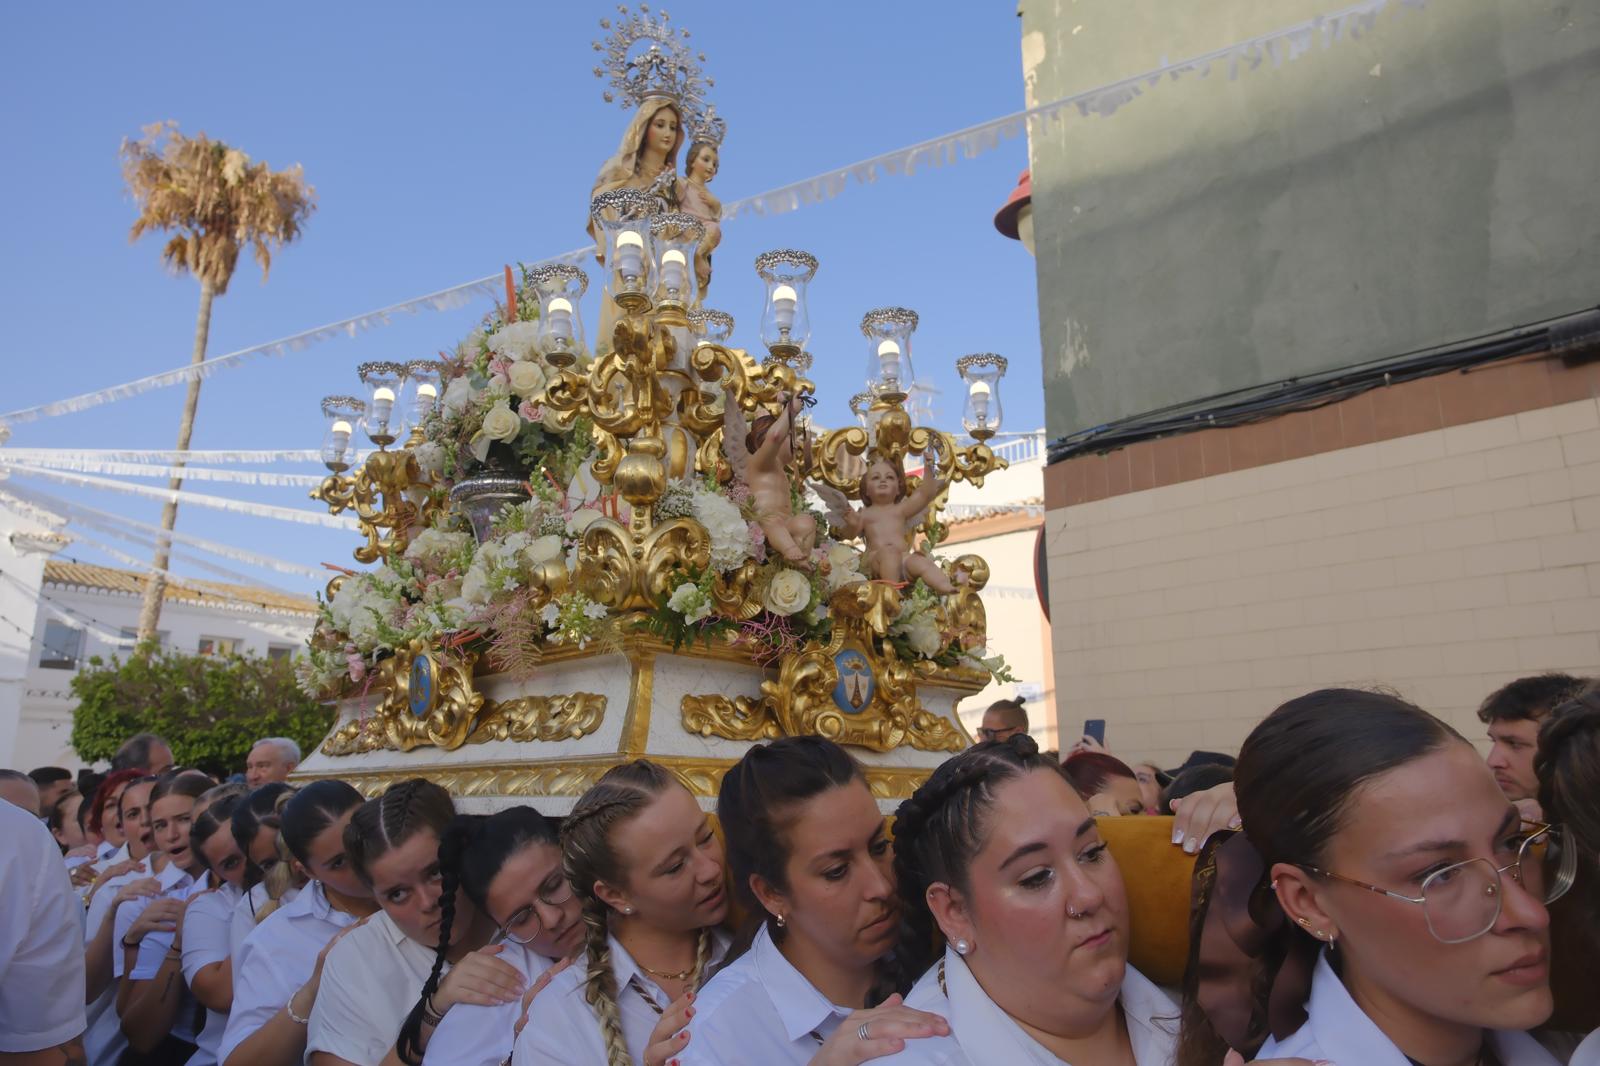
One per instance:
[(493, 597)]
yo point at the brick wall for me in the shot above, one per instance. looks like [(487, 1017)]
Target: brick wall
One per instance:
[(1441, 563)]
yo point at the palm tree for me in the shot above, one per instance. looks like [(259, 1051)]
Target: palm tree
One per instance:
[(215, 201)]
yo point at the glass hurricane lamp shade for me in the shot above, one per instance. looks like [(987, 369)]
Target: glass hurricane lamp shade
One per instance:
[(386, 419), (710, 327), (864, 406), (623, 216), (343, 414), (560, 287), (785, 325), (423, 386), (982, 372), (982, 413), (890, 374), (674, 238)]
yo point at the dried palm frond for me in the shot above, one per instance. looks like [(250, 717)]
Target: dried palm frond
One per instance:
[(216, 200)]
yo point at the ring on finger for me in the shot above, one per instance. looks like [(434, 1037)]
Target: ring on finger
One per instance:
[(861, 1033)]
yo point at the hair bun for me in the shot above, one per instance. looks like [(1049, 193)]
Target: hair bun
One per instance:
[(1023, 744)]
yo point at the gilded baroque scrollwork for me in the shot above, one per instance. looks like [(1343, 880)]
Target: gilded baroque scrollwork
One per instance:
[(385, 511), (739, 718), (562, 717)]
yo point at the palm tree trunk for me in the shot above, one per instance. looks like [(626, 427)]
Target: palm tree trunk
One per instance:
[(155, 588)]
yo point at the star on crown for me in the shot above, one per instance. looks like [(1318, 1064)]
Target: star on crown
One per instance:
[(646, 58)]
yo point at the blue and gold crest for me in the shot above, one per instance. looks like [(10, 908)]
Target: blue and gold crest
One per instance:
[(421, 686), (857, 685)]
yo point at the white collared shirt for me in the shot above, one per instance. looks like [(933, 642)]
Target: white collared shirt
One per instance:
[(1588, 1053), (205, 941), (1340, 1032), (760, 1009), (276, 959), (104, 1040), (107, 850), (980, 1032), (245, 920), (562, 1028), (41, 939), (471, 1035), (370, 982), (176, 883)]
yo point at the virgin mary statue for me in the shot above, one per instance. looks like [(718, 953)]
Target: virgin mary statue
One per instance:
[(647, 159)]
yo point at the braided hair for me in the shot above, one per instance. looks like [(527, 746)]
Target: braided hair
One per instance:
[(383, 824), (257, 809), (452, 845), (215, 814), (589, 856), (942, 826)]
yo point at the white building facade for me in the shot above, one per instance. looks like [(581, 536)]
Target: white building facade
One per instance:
[(84, 611)]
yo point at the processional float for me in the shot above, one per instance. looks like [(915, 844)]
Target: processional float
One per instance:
[(584, 556)]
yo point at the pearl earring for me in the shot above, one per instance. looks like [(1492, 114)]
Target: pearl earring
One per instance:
[(962, 947), (627, 910), (781, 920)]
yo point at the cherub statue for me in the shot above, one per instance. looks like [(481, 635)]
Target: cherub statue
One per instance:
[(760, 456), (887, 519)]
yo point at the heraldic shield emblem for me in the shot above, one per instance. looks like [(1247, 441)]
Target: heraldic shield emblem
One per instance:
[(421, 687), (857, 685)]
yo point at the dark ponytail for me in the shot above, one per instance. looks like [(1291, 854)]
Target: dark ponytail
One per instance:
[(453, 844), (258, 808), (755, 806), (216, 815), (1568, 766), (310, 811), (1296, 777), (942, 826)]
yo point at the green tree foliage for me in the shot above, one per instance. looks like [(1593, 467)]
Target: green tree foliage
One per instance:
[(210, 708)]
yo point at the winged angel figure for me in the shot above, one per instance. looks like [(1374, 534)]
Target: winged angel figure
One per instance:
[(887, 520), (760, 456)]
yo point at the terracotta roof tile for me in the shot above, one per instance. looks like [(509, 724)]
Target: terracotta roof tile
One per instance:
[(207, 593)]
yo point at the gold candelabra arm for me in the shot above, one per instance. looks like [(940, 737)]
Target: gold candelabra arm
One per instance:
[(380, 493)]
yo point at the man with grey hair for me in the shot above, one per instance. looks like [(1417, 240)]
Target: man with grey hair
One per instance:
[(18, 789), (143, 751), (272, 759)]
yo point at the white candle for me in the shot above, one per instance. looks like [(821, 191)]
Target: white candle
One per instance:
[(979, 395), (338, 440), (560, 316), (382, 407), (783, 304), (674, 270), (630, 255), (889, 363)]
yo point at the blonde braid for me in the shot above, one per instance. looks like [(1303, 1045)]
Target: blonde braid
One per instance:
[(702, 955), (602, 983)]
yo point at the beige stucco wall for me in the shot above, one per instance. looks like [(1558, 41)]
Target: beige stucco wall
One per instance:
[(1017, 630), (1441, 564)]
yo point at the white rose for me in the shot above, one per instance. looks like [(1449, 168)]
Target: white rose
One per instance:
[(788, 592), (430, 459), (518, 340), (527, 379), (542, 550), (922, 633), (844, 566), (502, 423), (459, 395), (582, 519)]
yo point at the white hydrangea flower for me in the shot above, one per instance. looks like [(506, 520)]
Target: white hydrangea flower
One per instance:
[(516, 340), (730, 534)]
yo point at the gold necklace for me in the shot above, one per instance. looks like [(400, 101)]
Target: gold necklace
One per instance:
[(681, 975)]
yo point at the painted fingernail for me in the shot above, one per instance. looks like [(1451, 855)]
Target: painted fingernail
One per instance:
[(1191, 846), (1177, 835)]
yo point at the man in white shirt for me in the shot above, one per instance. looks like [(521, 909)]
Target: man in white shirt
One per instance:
[(41, 946)]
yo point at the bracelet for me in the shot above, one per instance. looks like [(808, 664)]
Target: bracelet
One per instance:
[(288, 1008), (430, 1016)]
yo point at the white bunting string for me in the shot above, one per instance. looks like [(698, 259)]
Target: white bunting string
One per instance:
[(56, 456), (1278, 46), (188, 473), (259, 510), (90, 515), (149, 543)]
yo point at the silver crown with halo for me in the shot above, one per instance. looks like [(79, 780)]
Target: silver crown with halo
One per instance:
[(646, 58)]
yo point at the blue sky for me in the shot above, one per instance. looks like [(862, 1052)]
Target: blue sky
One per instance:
[(447, 140)]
